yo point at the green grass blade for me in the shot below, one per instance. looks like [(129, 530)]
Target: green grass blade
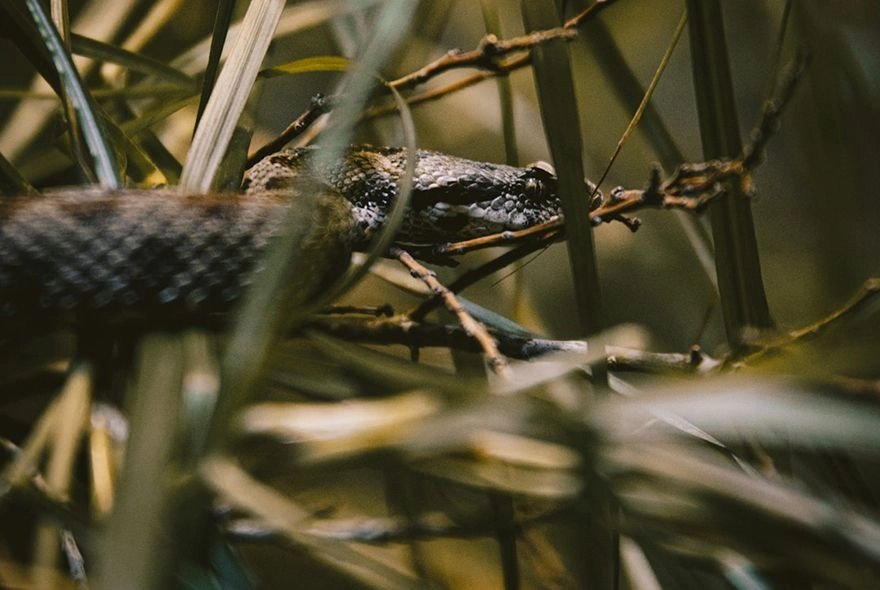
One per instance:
[(12, 183), (19, 29), (741, 287), (144, 560), (553, 80), (134, 62), (318, 63), (222, 20), (103, 160)]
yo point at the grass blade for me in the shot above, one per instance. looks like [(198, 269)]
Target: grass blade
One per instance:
[(81, 107), (743, 301), (12, 183), (222, 20), (225, 107), (136, 62), (144, 486), (653, 130), (559, 112)]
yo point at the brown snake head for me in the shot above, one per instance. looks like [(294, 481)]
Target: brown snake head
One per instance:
[(453, 198)]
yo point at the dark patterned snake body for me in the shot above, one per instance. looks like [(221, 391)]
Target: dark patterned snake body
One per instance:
[(163, 256)]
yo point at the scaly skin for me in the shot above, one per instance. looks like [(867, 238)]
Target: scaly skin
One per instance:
[(453, 198), (153, 256), (159, 256)]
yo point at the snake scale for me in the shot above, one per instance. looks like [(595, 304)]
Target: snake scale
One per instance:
[(159, 255)]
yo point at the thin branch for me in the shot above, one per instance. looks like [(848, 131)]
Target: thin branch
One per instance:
[(495, 57), (753, 152), (432, 94), (866, 293), (485, 56), (496, 361), (762, 344), (588, 13), (695, 361), (472, 276), (318, 106), (488, 52), (401, 329)]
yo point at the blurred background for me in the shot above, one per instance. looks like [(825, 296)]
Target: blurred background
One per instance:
[(816, 211)]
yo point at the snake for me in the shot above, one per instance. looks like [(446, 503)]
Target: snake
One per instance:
[(453, 198), (159, 255)]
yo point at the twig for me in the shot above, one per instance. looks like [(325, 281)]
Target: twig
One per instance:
[(753, 152), (492, 55), (472, 276), (402, 329), (494, 66), (869, 290), (432, 94), (694, 361), (761, 345), (496, 361), (485, 56), (866, 292), (317, 107), (490, 49), (586, 14), (548, 230)]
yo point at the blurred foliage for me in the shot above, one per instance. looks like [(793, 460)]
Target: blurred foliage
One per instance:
[(242, 459)]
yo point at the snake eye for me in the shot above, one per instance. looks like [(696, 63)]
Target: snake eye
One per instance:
[(534, 188), (540, 185)]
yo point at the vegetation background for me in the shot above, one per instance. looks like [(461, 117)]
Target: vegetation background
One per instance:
[(758, 474)]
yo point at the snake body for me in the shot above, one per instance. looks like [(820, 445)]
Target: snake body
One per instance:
[(159, 255)]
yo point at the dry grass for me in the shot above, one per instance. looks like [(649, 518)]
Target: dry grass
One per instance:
[(247, 459)]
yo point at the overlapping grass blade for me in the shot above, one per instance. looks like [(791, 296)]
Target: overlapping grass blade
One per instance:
[(222, 21), (552, 68), (263, 315), (743, 301), (652, 128), (135, 62), (224, 108), (83, 122)]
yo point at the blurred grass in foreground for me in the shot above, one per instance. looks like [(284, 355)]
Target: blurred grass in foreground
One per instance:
[(335, 464)]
